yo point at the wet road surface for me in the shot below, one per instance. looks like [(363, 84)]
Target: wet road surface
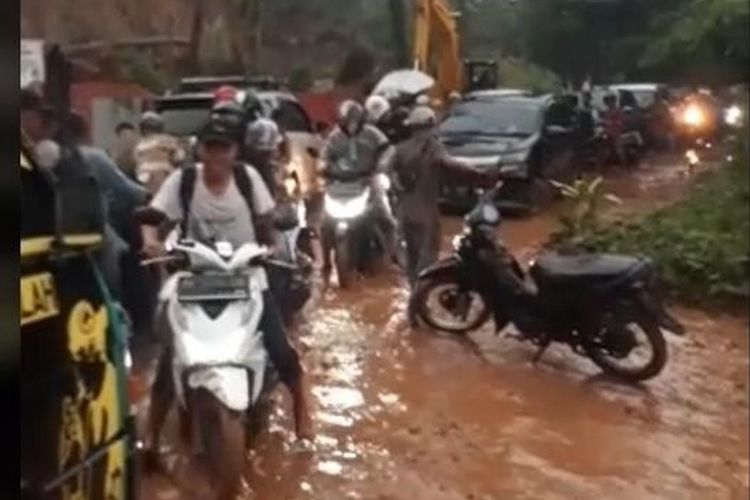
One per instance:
[(410, 415)]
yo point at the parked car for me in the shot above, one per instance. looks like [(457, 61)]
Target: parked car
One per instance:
[(527, 139), (184, 113)]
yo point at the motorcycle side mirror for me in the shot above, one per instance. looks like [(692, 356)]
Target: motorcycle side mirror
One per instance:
[(149, 216), (313, 152)]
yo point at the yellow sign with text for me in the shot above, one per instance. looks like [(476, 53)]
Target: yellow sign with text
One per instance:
[(38, 298)]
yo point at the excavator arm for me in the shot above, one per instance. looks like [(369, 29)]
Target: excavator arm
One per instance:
[(436, 45)]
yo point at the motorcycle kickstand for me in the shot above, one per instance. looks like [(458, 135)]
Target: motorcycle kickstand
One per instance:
[(542, 348)]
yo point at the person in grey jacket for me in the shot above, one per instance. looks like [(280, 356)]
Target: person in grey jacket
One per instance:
[(356, 149), (418, 166)]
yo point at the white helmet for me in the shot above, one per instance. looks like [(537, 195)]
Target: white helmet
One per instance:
[(263, 135), (422, 100), (421, 117), (376, 107)]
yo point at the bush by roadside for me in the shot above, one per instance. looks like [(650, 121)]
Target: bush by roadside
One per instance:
[(699, 245)]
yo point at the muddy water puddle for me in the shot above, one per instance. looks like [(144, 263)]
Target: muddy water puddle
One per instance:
[(410, 415)]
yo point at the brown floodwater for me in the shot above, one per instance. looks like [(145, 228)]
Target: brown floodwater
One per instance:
[(404, 414)]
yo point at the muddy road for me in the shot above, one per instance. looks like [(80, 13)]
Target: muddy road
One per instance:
[(411, 415)]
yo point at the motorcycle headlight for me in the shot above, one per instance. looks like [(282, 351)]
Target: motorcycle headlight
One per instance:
[(693, 116), (733, 116), (349, 209)]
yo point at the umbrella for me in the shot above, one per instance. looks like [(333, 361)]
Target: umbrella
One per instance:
[(403, 81)]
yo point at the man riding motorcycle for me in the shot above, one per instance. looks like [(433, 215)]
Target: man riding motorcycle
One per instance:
[(358, 149), (218, 205), (156, 153), (614, 122)]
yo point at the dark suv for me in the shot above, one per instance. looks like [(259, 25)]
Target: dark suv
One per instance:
[(524, 138)]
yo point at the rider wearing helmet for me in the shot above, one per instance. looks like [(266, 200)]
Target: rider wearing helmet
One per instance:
[(263, 143), (418, 166), (614, 122), (377, 107), (389, 120), (157, 153), (357, 149)]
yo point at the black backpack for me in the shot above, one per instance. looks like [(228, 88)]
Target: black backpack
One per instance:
[(187, 188)]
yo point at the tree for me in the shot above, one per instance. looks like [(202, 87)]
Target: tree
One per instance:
[(397, 11), (706, 40)]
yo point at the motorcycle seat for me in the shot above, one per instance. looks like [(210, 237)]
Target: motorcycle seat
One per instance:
[(555, 268)]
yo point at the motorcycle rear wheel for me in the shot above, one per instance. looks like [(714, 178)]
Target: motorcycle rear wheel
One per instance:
[(658, 346), (423, 292), (222, 434)]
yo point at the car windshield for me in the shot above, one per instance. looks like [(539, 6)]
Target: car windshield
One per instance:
[(502, 117), (183, 121), (644, 98)]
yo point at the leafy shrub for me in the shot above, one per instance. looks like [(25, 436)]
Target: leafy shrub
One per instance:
[(700, 245)]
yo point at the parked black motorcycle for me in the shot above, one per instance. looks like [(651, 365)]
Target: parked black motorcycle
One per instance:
[(603, 306)]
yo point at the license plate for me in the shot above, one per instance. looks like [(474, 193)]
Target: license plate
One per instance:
[(206, 287)]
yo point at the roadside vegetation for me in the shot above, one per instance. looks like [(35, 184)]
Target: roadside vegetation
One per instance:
[(699, 245)]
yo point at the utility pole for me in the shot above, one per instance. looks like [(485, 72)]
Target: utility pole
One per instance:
[(196, 33)]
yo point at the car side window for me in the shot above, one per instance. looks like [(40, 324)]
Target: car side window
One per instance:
[(291, 117), (561, 115)]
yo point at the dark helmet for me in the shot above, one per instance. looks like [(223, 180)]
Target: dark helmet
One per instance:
[(351, 116), (151, 123), (230, 112)]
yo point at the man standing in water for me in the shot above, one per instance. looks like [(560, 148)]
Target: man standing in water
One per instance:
[(418, 166)]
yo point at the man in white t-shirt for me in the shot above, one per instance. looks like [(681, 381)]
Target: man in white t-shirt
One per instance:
[(218, 210)]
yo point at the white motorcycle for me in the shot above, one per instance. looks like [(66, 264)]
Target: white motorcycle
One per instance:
[(214, 306)]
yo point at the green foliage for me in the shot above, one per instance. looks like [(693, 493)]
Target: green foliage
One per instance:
[(585, 201), (300, 79), (517, 73), (138, 67), (710, 36), (700, 245)]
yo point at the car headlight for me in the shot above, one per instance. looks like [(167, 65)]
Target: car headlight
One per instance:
[(693, 116), (348, 209), (733, 116)]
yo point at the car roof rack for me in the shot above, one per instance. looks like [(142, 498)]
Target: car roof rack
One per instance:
[(197, 84)]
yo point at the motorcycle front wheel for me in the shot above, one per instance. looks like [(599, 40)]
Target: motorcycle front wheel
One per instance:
[(466, 309), (643, 357), (222, 434), (344, 262)]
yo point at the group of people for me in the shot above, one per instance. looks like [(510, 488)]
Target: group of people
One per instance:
[(230, 184)]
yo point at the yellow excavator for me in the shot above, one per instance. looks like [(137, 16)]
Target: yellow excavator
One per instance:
[(436, 51)]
